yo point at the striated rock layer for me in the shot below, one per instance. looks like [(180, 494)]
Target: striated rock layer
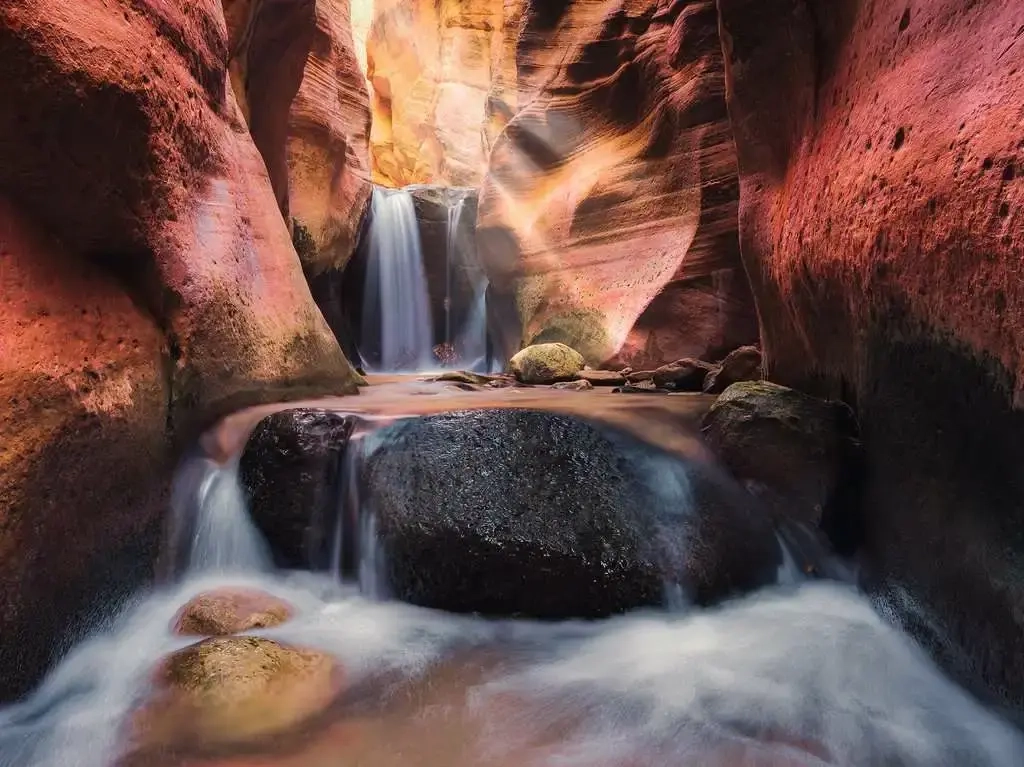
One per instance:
[(295, 68), (881, 148), (609, 207), (149, 286), (430, 66)]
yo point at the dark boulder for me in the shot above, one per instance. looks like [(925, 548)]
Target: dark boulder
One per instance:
[(683, 375), (517, 512), (291, 470), (743, 364), (798, 453)]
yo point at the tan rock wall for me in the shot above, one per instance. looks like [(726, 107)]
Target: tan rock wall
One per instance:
[(609, 207)]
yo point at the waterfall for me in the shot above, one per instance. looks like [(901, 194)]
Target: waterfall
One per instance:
[(397, 307), (211, 530), (470, 339)]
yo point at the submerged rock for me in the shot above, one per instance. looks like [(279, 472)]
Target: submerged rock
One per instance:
[(546, 364), (230, 690), (230, 610), (521, 512), (290, 470), (791, 449), (743, 364)]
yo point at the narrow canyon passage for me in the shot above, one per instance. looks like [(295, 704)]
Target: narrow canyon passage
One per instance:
[(511, 383)]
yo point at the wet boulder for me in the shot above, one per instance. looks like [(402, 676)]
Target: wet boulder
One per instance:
[(743, 364), (232, 690), (229, 610), (546, 364), (518, 512), (796, 452), (682, 375), (290, 471)]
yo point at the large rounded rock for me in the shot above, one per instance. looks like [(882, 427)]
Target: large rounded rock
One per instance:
[(786, 446), (291, 472), (546, 364), (230, 690), (534, 513), (226, 611)]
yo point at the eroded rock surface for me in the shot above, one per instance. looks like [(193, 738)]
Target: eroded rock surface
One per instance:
[(149, 286), (880, 153), (430, 66), (525, 512), (609, 207), (297, 74)]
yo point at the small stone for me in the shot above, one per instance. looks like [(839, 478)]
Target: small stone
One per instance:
[(227, 611), (463, 376), (579, 385), (603, 377), (546, 364), (639, 376)]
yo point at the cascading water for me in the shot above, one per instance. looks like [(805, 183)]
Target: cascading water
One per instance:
[(801, 674), (469, 339), (396, 310)]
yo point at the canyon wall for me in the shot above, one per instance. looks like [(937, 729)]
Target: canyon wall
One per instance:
[(430, 65), (881, 153), (608, 213), (149, 286), (294, 64)]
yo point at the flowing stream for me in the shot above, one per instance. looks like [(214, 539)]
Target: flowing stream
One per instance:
[(802, 673)]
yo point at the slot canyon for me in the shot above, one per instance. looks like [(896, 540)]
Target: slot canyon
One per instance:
[(478, 383)]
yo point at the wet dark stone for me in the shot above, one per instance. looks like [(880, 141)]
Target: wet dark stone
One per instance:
[(291, 471), (516, 512)]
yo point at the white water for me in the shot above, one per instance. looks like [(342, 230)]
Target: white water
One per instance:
[(470, 339), (805, 662), (397, 304)]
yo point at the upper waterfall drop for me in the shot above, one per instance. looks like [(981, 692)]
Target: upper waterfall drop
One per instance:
[(397, 303)]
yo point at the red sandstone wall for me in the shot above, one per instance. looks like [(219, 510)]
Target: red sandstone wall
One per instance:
[(881, 149), (149, 285)]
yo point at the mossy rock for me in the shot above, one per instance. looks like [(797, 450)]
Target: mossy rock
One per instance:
[(230, 690), (546, 364)]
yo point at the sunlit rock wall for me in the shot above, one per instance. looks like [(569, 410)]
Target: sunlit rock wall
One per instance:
[(430, 65), (305, 100), (148, 285), (608, 211), (881, 156)]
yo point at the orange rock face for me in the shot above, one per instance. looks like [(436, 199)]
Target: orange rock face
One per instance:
[(307, 107), (609, 206), (431, 65), (881, 148), (149, 286)]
